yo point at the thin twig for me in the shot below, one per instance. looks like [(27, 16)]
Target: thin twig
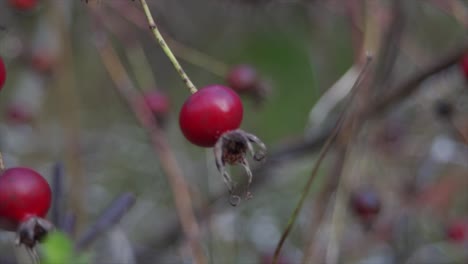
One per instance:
[(2, 164), (159, 38), (387, 53), (179, 187), (326, 147), (68, 224), (188, 54), (411, 85), (111, 216), (321, 201)]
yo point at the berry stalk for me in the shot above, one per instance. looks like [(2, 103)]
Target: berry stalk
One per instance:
[(2, 164), (166, 49)]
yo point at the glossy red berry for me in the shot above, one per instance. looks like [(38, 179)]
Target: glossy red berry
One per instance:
[(464, 65), (209, 113), (242, 78), (24, 193), (457, 231), (3, 73), (365, 203), (23, 5), (157, 102)]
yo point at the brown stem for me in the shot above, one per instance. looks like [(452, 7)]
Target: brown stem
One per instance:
[(2, 164), (179, 187), (69, 111)]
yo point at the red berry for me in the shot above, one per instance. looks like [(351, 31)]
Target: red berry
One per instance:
[(24, 193), (365, 203), (23, 5), (16, 114), (157, 102), (458, 231), (42, 63), (209, 113), (464, 65), (3, 73), (242, 78)]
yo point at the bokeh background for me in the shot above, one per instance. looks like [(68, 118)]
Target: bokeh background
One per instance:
[(60, 106)]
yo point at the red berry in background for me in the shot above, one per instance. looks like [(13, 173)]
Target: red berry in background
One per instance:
[(25, 198), (209, 113), (242, 78), (464, 65), (457, 231), (365, 204), (3, 73), (23, 5), (157, 102), (17, 114), (42, 63)]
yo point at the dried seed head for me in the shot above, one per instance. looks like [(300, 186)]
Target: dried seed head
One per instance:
[(232, 148)]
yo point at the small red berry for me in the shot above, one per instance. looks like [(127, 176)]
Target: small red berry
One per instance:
[(3, 73), (464, 65), (457, 231), (23, 5), (365, 203), (16, 114), (24, 193), (42, 63), (209, 113), (242, 78), (157, 102)]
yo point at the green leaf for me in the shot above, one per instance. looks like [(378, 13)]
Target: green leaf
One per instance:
[(58, 249)]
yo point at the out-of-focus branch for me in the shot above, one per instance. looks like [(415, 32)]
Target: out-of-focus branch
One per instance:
[(69, 111), (109, 217), (388, 50), (400, 92), (321, 202), (167, 158)]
